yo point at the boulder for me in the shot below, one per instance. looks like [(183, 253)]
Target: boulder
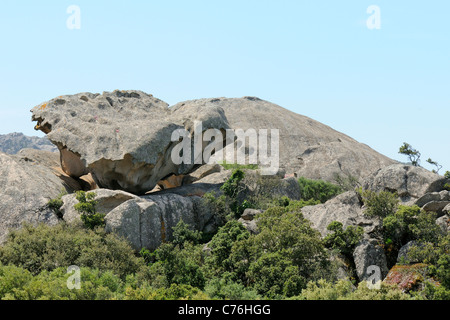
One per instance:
[(307, 148), (250, 214), (410, 277), (369, 254), (345, 208), (403, 254), (410, 182), (434, 201), (145, 221), (123, 138), (444, 223), (28, 182), (251, 226)]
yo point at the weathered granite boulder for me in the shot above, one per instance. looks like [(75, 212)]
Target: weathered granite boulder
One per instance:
[(307, 148), (123, 137), (410, 182), (367, 256), (29, 181), (444, 223), (345, 208), (145, 221), (434, 201), (403, 254)]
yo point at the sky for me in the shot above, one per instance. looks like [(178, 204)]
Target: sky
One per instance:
[(381, 76)]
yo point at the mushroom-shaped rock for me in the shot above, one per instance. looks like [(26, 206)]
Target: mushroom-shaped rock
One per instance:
[(123, 138)]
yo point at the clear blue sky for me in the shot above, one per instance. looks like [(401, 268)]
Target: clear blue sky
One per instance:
[(317, 58)]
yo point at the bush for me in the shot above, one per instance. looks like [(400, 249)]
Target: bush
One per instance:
[(183, 233), (86, 207), (343, 241), (234, 166), (381, 204), (410, 223), (175, 265), (49, 247), (56, 204), (317, 190), (343, 290)]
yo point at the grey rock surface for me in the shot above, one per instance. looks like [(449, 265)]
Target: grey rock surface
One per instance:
[(28, 182), (444, 223), (12, 143), (369, 254), (345, 208), (403, 253), (307, 148), (410, 182), (123, 137), (145, 221)]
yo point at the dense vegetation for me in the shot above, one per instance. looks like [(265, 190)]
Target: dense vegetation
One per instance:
[(286, 259)]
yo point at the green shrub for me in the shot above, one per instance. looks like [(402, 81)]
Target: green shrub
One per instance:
[(175, 265), (343, 241), (234, 166), (379, 204), (87, 208), (343, 290), (226, 289), (447, 175), (183, 233), (49, 247), (437, 256), (56, 204), (317, 190), (410, 223)]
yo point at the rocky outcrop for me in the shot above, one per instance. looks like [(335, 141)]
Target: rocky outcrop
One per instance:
[(145, 221), (409, 182), (307, 148), (12, 143), (249, 220), (29, 181), (369, 256), (123, 138), (345, 208)]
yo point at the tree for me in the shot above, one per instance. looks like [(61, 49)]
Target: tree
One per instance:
[(87, 208), (434, 163), (412, 154)]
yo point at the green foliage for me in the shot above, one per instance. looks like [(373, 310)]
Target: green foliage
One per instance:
[(233, 186), (49, 247), (381, 204), (410, 223), (221, 244), (447, 175), (175, 265), (57, 203), (343, 290), (343, 241), (437, 255), (86, 207), (182, 233), (317, 190), (434, 163), (234, 166), (225, 288), (412, 154)]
